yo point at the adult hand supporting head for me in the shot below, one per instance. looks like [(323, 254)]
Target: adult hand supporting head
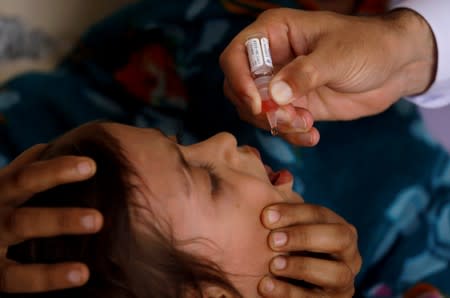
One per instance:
[(318, 247), (332, 66), (20, 180)]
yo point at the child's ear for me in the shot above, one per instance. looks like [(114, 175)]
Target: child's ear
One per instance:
[(216, 292)]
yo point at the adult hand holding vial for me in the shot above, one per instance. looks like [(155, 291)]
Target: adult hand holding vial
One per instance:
[(332, 66)]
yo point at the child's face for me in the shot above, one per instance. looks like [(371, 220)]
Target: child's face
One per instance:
[(221, 208)]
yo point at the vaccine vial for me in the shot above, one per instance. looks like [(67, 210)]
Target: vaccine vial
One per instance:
[(261, 67)]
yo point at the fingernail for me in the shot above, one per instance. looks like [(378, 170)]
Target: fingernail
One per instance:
[(273, 216), (74, 277), (84, 168), (314, 139), (299, 123), (88, 222), (279, 263), (279, 239), (267, 285), (306, 139), (281, 92)]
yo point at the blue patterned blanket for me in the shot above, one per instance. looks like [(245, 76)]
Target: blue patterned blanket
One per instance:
[(156, 65)]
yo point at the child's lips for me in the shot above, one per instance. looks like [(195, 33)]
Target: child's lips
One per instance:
[(276, 178), (283, 177), (280, 177)]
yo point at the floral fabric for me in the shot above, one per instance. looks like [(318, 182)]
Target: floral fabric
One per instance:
[(155, 64)]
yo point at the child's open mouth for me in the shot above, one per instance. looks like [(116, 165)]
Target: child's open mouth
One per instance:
[(276, 178), (279, 177)]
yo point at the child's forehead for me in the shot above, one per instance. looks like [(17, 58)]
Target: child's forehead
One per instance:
[(142, 144), (81, 132), (127, 132)]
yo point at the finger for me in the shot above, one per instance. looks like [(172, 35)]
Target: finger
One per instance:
[(291, 120), (241, 103), (327, 274), (16, 278), (243, 109), (39, 176), (29, 155), (304, 139), (298, 78), (234, 63), (274, 288), (334, 239), (287, 214), (353, 259), (309, 138), (27, 223)]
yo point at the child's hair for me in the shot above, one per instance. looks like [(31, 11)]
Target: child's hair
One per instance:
[(111, 254)]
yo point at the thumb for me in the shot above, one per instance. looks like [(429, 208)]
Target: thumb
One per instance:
[(302, 75)]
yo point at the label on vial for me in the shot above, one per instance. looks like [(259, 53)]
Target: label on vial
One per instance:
[(266, 52), (258, 53)]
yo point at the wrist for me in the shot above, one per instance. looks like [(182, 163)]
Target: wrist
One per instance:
[(416, 48)]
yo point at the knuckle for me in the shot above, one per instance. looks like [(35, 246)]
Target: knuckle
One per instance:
[(40, 284), (319, 212), (310, 74), (242, 94), (17, 226), (344, 277), (350, 292), (347, 236), (353, 230), (298, 238), (229, 95), (63, 222), (358, 263), (352, 234), (274, 13), (267, 13), (285, 290), (21, 180), (49, 281), (301, 266)]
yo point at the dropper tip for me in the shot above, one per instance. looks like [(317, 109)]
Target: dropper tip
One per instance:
[(272, 119), (274, 131)]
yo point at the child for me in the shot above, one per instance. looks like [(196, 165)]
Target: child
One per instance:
[(179, 221)]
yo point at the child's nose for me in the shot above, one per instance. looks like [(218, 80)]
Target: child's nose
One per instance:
[(223, 145)]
